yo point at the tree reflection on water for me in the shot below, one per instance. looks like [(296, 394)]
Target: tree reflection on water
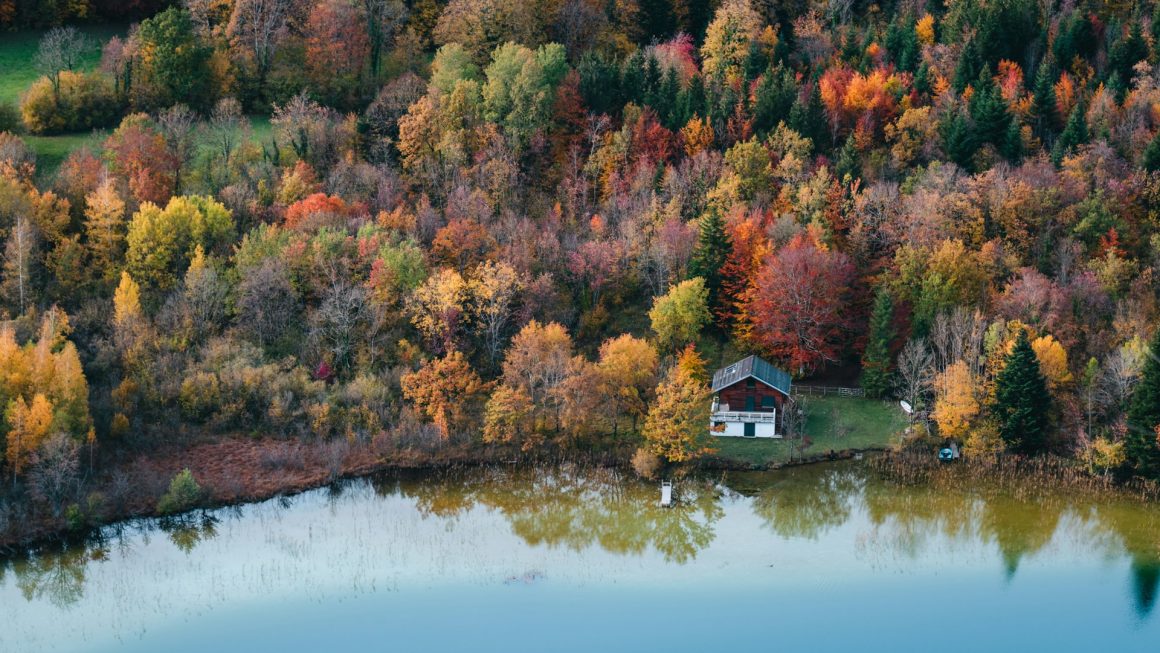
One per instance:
[(576, 507)]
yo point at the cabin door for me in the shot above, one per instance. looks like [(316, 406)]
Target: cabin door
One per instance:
[(750, 430)]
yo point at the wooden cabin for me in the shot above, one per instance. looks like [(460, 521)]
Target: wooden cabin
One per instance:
[(748, 399)]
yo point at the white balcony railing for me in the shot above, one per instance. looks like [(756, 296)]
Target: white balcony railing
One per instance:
[(743, 416)]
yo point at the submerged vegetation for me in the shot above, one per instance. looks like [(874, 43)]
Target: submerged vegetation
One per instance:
[(332, 236)]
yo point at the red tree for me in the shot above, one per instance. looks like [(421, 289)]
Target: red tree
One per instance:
[(797, 308)]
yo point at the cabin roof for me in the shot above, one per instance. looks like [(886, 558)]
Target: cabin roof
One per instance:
[(755, 367)]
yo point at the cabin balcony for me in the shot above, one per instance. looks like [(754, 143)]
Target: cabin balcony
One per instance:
[(743, 423), (744, 416)]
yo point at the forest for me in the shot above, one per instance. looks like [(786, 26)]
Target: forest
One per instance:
[(535, 228)]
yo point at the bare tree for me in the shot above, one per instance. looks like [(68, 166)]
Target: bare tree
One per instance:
[(793, 422), (61, 49), (177, 124), (258, 27), (383, 20), (226, 130), (18, 257), (55, 472), (958, 335), (915, 372), (267, 302)]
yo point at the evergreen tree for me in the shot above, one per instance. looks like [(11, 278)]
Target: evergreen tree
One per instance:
[(848, 163), (959, 141), (1141, 445), (1126, 53), (667, 105), (808, 118), (1012, 146), (1043, 109), (876, 362), (1022, 403), (652, 82), (1152, 154), (989, 111), (1074, 134), (693, 99), (969, 66), (710, 255), (774, 100)]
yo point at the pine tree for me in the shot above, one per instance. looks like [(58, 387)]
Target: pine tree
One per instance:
[(876, 361), (808, 118), (959, 141), (1152, 154), (989, 111), (1141, 445), (1012, 146), (969, 66), (709, 257), (1022, 403), (1074, 134), (1043, 110), (848, 163), (693, 99)]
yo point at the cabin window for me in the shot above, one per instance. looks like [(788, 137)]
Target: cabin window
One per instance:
[(750, 383), (749, 403), (767, 401)]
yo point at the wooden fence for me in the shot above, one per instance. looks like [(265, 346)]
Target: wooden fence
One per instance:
[(826, 391)]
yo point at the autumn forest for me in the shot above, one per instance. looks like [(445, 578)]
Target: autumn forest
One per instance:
[(352, 233)]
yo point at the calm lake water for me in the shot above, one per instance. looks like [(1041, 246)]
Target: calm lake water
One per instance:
[(823, 558)]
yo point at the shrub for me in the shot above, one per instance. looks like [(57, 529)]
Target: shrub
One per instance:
[(184, 493), (16, 158), (645, 463), (87, 101), (9, 117)]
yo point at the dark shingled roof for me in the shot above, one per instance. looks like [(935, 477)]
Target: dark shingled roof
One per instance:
[(752, 367)]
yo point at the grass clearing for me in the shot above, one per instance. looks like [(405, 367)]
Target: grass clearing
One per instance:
[(18, 52), (832, 423)]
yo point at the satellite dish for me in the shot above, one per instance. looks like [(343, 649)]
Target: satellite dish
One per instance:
[(906, 407)]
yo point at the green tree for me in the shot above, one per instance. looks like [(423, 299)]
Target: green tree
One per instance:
[(711, 253), (1143, 449), (176, 62), (1022, 402), (678, 316), (989, 111), (1074, 134), (1043, 109), (876, 361), (1152, 154)]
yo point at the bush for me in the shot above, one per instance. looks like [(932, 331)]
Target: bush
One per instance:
[(87, 101), (645, 463), (184, 493), (9, 117)]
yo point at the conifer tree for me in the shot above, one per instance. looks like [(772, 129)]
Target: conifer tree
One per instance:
[(876, 363), (709, 257), (1043, 108), (959, 141), (969, 66), (1074, 134), (808, 118), (1152, 154), (1141, 445), (1022, 403), (989, 111)]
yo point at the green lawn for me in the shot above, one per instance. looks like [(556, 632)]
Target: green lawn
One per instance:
[(835, 423), (18, 49)]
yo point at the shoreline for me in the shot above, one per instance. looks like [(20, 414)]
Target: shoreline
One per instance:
[(235, 471)]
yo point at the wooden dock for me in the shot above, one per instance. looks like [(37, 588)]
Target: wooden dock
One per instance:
[(666, 493)]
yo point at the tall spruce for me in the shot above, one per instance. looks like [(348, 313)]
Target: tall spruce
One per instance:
[(989, 111), (1043, 109), (1152, 154), (713, 248), (1074, 134), (1022, 403), (876, 362), (1141, 446)]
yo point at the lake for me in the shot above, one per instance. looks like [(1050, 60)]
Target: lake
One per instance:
[(821, 558)]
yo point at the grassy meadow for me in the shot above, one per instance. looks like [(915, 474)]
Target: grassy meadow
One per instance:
[(835, 423)]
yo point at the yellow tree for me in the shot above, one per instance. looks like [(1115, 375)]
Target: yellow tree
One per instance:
[(444, 390), (678, 316), (29, 424), (1052, 361), (126, 301), (727, 40), (437, 308), (538, 361), (509, 418), (955, 403), (105, 230), (678, 421), (627, 369)]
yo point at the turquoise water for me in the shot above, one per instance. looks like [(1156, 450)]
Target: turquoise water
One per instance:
[(826, 558)]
